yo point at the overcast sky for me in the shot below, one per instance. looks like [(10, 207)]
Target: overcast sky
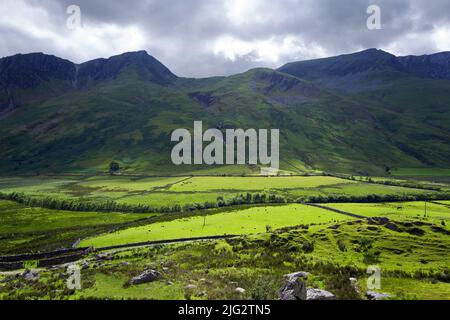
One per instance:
[(211, 37)]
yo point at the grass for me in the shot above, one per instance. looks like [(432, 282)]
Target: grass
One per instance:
[(436, 213), (273, 240), (362, 244), (201, 184), (418, 172), (112, 287), (247, 221), (168, 191), (413, 289), (24, 228), (412, 266)]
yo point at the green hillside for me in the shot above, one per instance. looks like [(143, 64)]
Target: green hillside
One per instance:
[(124, 109)]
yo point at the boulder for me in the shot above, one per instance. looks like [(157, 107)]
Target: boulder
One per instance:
[(372, 295), (317, 294), (294, 288), (296, 275), (190, 287), (240, 290), (146, 276)]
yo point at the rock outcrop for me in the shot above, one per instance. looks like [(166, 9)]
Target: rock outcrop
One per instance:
[(146, 276), (317, 294)]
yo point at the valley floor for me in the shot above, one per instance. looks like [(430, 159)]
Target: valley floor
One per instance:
[(408, 240)]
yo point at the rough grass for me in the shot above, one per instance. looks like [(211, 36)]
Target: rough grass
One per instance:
[(417, 172), (23, 228), (246, 221), (404, 211), (412, 266)]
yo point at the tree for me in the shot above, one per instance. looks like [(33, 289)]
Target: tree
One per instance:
[(114, 167)]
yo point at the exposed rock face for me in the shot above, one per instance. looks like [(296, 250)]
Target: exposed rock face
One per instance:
[(146, 276), (30, 70), (317, 294), (103, 69), (372, 295), (295, 288)]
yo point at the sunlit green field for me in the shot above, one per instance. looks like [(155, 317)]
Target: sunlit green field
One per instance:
[(169, 191), (418, 210), (412, 266), (273, 239), (246, 221)]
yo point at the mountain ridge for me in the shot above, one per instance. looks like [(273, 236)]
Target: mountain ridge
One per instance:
[(57, 116)]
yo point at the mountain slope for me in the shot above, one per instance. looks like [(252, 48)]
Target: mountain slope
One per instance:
[(342, 114), (416, 90)]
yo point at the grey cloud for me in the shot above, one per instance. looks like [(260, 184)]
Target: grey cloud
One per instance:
[(182, 34)]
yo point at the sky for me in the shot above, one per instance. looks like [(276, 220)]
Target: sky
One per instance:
[(200, 38)]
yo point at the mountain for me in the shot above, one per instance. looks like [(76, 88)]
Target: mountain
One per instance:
[(361, 113), (415, 89), (373, 61)]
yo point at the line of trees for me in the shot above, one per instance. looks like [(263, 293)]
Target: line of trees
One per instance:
[(388, 182), (242, 199), (373, 198)]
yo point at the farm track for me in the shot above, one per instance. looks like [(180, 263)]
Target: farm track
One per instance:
[(353, 215)]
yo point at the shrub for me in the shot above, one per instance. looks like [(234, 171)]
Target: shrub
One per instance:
[(341, 245), (307, 246)]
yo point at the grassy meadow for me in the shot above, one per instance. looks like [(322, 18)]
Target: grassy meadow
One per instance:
[(169, 191), (413, 266), (271, 239), (231, 222)]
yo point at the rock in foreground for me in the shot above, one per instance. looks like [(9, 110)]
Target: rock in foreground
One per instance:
[(146, 276), (317, 294), (294, 288), (372, 295)]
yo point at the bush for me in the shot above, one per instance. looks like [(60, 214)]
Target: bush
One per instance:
[(341, 245), (307, 246), (264, 288), (114, 167)]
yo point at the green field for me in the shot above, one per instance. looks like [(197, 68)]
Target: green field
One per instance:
[(235, 222), (418, 172), (272, 239), (436, 213), (412, 266), (23, 229), (170, 191)]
